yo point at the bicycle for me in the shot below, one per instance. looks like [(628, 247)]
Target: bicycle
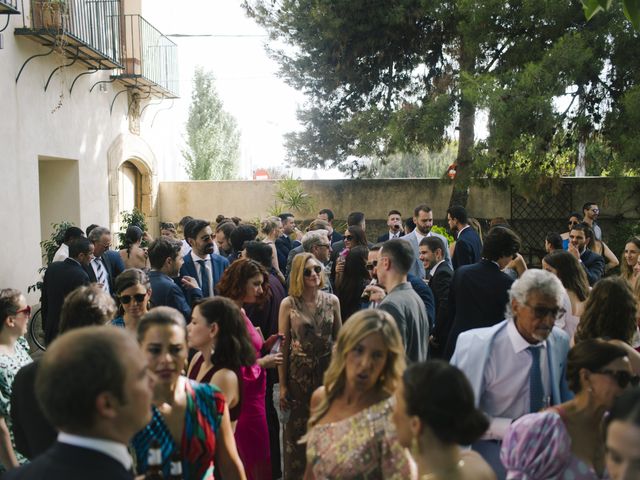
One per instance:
[(36, 330)]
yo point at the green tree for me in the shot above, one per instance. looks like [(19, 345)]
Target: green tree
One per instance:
[(631, 9), (386, 77), (424, 163), (213, 138)]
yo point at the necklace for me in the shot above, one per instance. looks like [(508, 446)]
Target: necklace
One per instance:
[(442, 473)]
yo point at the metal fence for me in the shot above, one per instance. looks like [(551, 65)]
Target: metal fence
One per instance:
[(149, 53), (94, 23)]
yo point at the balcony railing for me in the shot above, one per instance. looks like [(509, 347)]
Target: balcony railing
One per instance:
[(9, 6), (150, 59), (87, 29)]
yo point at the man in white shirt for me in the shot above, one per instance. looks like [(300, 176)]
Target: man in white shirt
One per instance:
[(70, 234), (95, 388), (394, 222), (517, 366), (99, 270)]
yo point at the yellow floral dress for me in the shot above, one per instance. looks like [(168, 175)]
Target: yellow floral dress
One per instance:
[(361, 447)]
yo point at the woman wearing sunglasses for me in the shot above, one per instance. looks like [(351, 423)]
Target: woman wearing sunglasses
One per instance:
[(133, 291), (566, 441), (353, 237), (14, 354), (309, 319)]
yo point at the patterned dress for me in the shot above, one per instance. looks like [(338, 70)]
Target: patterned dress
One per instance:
[(9, 366), (361, 447), (309, 356), (205, 406)]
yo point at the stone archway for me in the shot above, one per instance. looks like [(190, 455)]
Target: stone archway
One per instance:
[(125, 152)]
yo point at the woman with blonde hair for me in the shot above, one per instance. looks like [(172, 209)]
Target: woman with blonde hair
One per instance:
[(351, 434), (271, 228), (309, 320)]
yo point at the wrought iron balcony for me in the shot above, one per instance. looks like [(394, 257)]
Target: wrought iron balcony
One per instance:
[(150, 59), (9, 7), (85, 30)]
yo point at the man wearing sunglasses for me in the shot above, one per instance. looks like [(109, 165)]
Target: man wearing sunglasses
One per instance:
[(517, 366), (591, 212), (60, 279)]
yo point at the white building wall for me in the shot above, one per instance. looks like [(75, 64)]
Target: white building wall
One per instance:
[(33, 127)]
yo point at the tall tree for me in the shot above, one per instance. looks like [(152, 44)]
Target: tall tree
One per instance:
[(385, 77), (213, 138)]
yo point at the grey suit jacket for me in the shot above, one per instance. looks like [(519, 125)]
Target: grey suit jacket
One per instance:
[(418, 268)]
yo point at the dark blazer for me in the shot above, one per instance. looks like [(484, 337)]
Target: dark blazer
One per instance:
[(284, 244), (593, 265), (115, 262), (165, 292), (477, 298), (426, 295), (60, 279), (468, 248), (108, 266), (32, 432), (218, 265), (440, 283), (384, 237), (335, 237), (67, 462)]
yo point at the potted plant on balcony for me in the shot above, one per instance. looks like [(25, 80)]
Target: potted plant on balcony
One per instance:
[(51, 14)]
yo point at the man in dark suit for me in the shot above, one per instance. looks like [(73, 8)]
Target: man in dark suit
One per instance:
[(284, 244), (580, 237), (394, 222), (165, 260), (468, 244), (479, 292), (94, 386), (327, 215), (100, 268), (60, 279), (439, 276), (201, 263)]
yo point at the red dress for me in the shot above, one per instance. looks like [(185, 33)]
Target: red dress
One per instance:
[(252, 435)]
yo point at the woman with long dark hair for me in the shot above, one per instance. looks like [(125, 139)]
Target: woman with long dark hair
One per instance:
[(245, 282), (218, 331), (351, 283), (133, 292), (133, 255)]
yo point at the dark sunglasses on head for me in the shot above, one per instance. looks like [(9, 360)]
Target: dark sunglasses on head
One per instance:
[(621, 377), (372, 265), (138, 297), (348, 237), (307, 271), (26, 310)]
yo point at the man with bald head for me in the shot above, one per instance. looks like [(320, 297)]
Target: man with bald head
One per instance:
[(94, 387)]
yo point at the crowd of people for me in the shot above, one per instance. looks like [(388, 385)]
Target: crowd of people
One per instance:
[(230, 350)]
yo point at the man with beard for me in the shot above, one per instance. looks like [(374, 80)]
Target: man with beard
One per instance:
[(423, 218), (201, 263)]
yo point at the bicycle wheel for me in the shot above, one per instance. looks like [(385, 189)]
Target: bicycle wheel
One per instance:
[(36, 331)]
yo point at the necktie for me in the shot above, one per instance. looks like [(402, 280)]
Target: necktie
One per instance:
[(100, 269), (536, 390), (204, 278)]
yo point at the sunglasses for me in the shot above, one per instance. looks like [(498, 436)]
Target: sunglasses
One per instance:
[(138, 297), (26, 310), (372, 265), (621, 377), (544, 312), (348, 237), (307, 271)]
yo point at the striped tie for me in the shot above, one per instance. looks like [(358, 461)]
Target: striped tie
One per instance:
[(100, 277)]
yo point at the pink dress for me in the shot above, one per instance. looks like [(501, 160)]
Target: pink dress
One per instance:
[(252, 435)]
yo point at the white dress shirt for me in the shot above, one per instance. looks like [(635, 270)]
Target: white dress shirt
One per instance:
[(505, 390), (209, 267), (115, 450), (432, 272), (186, 248), (61, 254), (393, 234)]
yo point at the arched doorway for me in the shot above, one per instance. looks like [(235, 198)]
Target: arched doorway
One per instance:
[(130, 187), (132, 181)]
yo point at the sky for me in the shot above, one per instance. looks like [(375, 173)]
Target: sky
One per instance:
[(246, 78)]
